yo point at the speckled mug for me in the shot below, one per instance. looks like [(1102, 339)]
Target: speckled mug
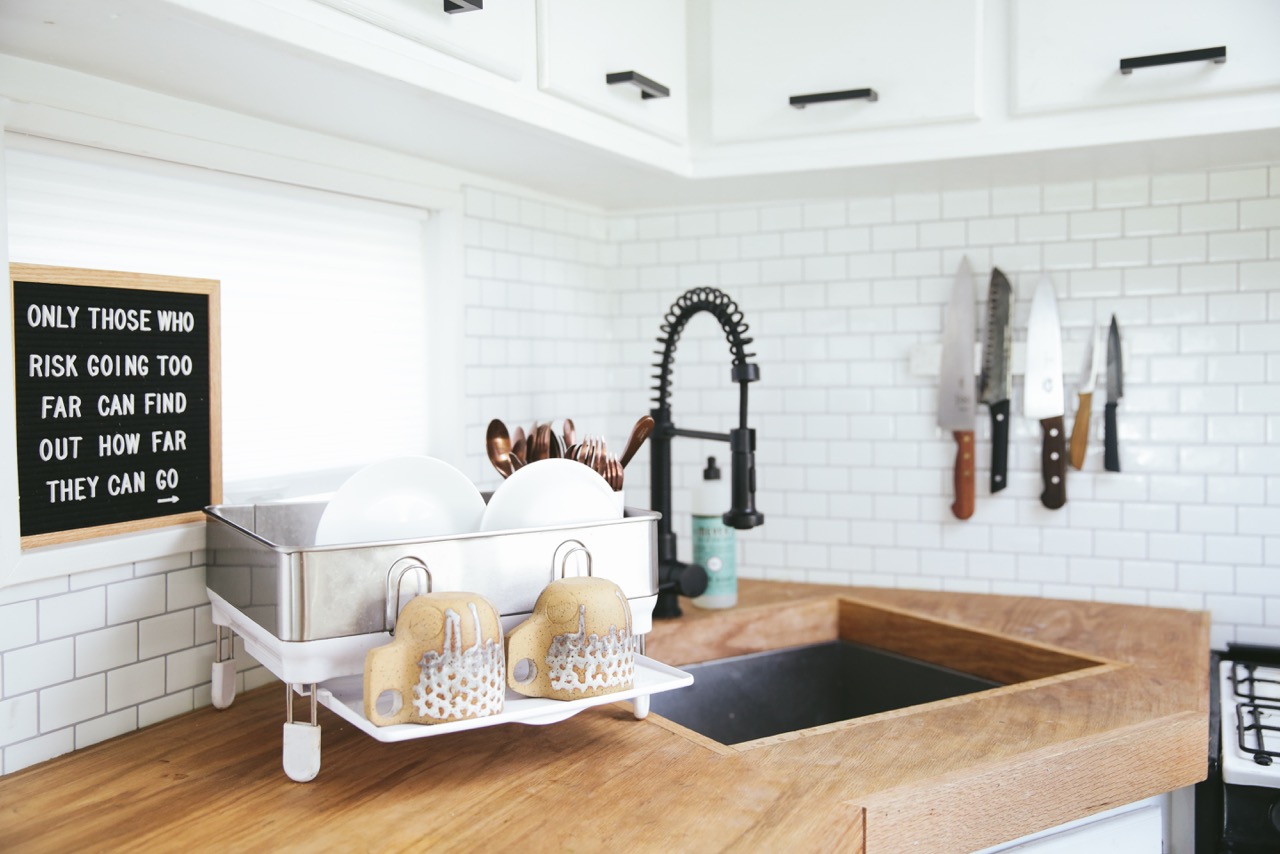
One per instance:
[(445, 663), (577, 643)]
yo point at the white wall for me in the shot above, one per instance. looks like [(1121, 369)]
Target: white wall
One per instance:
[(855, 478), (561, 308)]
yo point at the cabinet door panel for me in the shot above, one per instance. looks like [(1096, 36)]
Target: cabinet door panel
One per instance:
[(497, 38), (582, 41), (920, 56), (1067, 55)]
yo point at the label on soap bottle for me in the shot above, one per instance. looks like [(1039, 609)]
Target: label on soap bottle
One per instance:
[(715, 550)]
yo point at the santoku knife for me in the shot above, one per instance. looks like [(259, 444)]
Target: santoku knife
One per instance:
[(993, 385), (1084, 407), (1115, 391), (957, 408), (1042, 393)]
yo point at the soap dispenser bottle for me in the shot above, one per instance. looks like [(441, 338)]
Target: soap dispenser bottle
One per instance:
[(714, 542)]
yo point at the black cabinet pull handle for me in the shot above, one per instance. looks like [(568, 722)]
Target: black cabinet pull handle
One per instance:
[(802, 101), (453, 7), (648, 88), (1217, 55)]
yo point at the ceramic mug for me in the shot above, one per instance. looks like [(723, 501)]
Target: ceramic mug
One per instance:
[(445, 663), (577, 643)]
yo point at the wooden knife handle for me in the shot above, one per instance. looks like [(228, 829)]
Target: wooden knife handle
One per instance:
[(999, 445), (963, 506), (1053, 462), (1080, 429), (1110, 440)]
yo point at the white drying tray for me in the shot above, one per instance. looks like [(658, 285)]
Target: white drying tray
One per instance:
[(334, 670), (345, 698)]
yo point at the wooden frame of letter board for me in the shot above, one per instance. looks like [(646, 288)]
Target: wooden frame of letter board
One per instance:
[(145, 282)]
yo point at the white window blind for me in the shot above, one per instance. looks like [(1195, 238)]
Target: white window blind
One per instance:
[(324, 299)]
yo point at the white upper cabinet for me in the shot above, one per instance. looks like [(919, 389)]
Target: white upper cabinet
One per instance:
[(1066, 56), (495, 37), (582, 42), (919, 57)]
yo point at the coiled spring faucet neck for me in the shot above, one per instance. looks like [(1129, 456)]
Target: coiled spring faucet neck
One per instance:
[(674, 577)]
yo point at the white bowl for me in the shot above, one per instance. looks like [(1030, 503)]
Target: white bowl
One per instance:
[(551, 492), (401, 499)]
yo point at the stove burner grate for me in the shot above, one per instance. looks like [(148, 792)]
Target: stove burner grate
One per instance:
[(1259, 721), (1254, 682)]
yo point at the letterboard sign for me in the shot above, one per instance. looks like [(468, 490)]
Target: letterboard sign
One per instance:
[(117, 401)]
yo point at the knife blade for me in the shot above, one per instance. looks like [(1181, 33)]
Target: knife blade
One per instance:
[(1042, 393), (993, 384), (957, 409), (1084, 397), (1115, 391)]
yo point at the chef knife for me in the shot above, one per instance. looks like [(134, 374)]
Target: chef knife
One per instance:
[(1042, 393), (1084, 405), (1115, 391), (993, 385), (957, 408)]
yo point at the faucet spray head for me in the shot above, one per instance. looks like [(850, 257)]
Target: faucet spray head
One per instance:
[(742, 448)]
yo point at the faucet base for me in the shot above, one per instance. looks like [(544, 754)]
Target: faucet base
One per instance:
[(668, 606)]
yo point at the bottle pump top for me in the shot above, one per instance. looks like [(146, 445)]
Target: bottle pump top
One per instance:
[(711, 472)]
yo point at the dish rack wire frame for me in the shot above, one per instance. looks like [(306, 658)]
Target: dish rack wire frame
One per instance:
[(301, 740)]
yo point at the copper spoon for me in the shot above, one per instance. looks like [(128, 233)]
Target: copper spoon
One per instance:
[(498, 444), (639, 433)]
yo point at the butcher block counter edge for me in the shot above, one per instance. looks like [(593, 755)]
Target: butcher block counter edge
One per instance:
[(1114, 710)]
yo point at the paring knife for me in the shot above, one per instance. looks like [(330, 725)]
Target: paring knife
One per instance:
[(1084, 407), (957, 408), (1115, 391), (1042, 394), (993, 385)]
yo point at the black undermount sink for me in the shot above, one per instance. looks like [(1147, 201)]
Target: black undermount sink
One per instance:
[(747, 697)]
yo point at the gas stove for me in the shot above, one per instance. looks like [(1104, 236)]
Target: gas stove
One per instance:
[(1249, 698), (1238, 806)]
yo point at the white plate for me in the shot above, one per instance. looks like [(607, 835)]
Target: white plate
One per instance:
[(401, 499), (549, 493)]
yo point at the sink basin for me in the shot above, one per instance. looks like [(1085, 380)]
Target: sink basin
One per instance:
[(795, 669), (746, 697)]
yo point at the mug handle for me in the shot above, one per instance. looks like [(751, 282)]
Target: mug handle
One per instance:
[(520, 647), (401, 712)]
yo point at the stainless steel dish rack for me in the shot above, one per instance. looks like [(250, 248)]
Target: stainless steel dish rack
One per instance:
[(309, 613)]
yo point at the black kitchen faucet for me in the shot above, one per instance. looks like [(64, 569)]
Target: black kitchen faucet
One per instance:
[(674, 577)]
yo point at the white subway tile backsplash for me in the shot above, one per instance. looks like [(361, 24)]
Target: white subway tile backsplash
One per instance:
[(36, 750), (1170, 189), (1264, 213), (18, 625), (72, 613), (913, 207), (106, 649), (1075, 195), (72, 702), (167, 633), (1238, 246), (1238, 183), (30, 668), (1180, 249), (100, 729)]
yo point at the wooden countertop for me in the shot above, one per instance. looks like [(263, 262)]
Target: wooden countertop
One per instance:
[(1110, 706)]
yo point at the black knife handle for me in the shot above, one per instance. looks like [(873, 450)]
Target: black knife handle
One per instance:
[(1053, 462), (999, 445), (1110, 441)]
